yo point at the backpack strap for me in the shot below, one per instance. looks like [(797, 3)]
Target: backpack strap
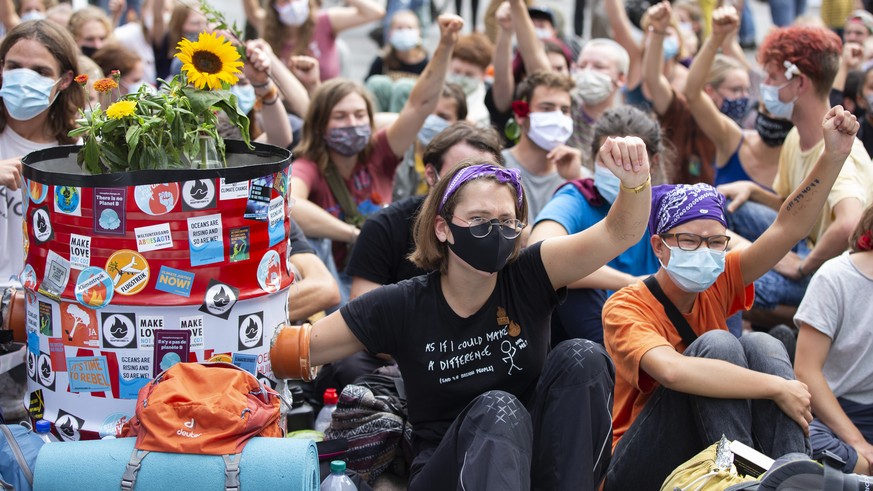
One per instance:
[(128, 479), (19, 455), (231, 472), (673, 313)]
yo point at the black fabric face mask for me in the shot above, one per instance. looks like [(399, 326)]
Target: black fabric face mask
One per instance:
[(488, 254), (88, 51), (773, 131)]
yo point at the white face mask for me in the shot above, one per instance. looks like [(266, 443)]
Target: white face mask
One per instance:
[(293, 14), (549, 129), (593, 86)]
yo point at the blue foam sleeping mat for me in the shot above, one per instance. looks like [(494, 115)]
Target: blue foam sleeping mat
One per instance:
[(287, 464)]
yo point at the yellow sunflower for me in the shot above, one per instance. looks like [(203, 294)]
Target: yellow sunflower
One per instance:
[(121, 109), (209, 61)]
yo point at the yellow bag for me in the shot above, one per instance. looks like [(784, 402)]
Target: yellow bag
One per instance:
[(710, 470)]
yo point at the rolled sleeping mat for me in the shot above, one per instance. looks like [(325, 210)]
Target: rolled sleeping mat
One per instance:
[(266, 463)]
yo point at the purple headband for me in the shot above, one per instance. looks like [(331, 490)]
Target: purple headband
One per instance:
[(511, 176), (675, 204)]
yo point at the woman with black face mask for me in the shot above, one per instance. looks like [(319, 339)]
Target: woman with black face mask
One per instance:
[(720, 103), (492, 408)]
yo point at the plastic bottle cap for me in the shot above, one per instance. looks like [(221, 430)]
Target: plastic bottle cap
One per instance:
[(330, 396), (337, 467), (43, 426)]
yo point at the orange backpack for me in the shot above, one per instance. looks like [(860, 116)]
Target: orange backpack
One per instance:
[(201, 408)]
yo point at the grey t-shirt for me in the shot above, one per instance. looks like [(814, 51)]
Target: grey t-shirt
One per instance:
[(538, 189), (837, 303)]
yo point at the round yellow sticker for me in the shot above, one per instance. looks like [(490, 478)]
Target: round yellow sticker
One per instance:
[(129, 271)]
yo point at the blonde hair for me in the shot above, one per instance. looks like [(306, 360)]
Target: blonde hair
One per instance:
[(85, 15), (722, 66)]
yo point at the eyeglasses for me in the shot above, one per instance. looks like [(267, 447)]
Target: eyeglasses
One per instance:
[(692, 242), (481, 227)]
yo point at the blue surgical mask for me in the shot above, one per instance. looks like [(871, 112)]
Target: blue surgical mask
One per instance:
[(404, 39), (245, 97), (26, 93), (694, 271), (432, 126), (776, 108), (606, 183), (735, 109), (671, 48)]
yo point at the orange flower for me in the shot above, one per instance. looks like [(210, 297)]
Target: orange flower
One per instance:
[(81, 79), (105, 85)]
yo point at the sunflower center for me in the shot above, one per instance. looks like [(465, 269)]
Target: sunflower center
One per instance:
[(206, 62)]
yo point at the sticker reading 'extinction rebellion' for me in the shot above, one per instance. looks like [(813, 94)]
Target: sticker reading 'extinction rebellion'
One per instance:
[(205, 239)]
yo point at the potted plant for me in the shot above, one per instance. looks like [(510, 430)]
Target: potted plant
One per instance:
[(152, 242)]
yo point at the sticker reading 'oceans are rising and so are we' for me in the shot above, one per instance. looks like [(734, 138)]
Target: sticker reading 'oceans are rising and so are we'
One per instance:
[(205, 239)]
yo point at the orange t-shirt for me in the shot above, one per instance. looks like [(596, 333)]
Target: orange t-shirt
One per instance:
[(634, 322)]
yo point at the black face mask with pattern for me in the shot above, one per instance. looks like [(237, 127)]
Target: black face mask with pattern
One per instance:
[(773, 131)]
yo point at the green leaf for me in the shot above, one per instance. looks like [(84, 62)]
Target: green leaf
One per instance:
[(132, 138)]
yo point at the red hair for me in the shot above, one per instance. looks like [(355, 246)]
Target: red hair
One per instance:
[(815, 50)]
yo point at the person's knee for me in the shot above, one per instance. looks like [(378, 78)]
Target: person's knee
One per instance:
[(581, 359), (500, 413), (718, 345), (760, 345)]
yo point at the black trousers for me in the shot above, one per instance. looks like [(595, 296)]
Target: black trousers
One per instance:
[(563, 442)]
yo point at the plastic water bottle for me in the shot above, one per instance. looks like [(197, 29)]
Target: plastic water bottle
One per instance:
[(322, 421), (337, 480), (43, 428)]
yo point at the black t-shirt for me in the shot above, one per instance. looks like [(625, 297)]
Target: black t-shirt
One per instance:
[(865, 134), (378, 67), (498, 118), (386, 239), (297, 241), (447, 360)]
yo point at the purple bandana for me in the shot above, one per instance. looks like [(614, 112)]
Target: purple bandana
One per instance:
[(675, 204), (511, 176)]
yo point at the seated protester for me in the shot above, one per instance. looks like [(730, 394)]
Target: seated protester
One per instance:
[(14, 13), (542, 112), (695, 150), (301, 27), (677, 365), (381, 254), (833, 353), (800, 63), (39, 104), (90, 27), (393, 73), (470, 59), (583, 203), (533, 54), (114, 56), (486, 397), (410, 178), (717, 91), (314, 288), (600, 75), (344, 173), (186, 22)]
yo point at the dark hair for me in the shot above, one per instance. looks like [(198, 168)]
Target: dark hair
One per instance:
[(429, 253), (114, 56), (474, 48), (485, 139), (865, 225), (327, 95), (546, 78), (457, 93), (630, 121), (815, 50), (59, 42)]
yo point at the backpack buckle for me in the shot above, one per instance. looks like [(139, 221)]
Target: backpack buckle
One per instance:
[(128, 479), (231, 472)]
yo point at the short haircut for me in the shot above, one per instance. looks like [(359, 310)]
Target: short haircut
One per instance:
[(431, 254), (474, 48), (619, 54), (544, 78), (815, 50), (485, 139)]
